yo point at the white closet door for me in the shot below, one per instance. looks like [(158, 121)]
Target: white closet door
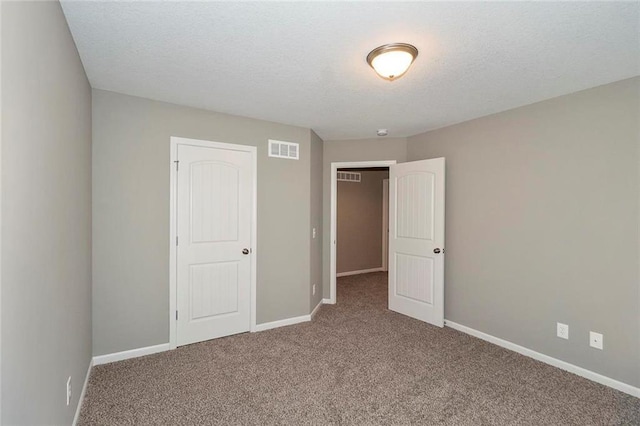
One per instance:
[(214, 205)]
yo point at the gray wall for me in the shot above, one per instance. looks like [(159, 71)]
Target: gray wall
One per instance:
[(46, 216), (131, 215), (316, 219), (351, 150), (359, 222), (542, 225)]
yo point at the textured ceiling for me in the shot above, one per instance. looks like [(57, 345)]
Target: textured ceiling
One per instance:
[(304, 63)]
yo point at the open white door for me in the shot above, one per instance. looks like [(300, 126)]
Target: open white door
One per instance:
[(416, 240)]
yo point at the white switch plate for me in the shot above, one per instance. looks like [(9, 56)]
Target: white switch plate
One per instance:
[(562, 331), (69, 390), (596, 340)]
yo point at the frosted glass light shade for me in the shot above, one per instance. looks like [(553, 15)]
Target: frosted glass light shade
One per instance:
[(392, 60)]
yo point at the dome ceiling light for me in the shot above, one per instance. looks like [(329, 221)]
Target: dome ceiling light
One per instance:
[(391, 61)]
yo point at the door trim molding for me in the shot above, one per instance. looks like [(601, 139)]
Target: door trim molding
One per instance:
[(385, 224), (173, 254), (334, 210)]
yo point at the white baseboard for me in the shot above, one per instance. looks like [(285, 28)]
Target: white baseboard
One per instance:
[(133, 353), (282, 323), (328, 302), (571, 368), (361, 271), (82, 393), (315, 310)]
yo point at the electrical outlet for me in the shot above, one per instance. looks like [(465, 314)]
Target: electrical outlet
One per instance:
[(562, 331), (314, 232), (314, 289), (69, 390), (596, 340)]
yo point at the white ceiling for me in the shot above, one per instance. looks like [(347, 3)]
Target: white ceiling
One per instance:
[(304, 63)]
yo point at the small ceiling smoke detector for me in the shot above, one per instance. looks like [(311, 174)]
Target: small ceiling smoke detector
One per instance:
[(391, 61), (382, 132)]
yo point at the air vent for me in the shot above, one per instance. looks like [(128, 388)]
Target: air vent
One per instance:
[(280, 149), (349, 176)]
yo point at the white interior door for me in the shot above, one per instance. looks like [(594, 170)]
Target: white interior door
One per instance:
[(214, 205), (416, 240)]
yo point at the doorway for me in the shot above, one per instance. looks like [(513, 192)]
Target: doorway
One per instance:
[(213, 240), (416, 236), (334, 209), (361, 220)]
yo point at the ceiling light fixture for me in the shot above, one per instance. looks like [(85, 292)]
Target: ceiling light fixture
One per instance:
[(391, 61), (382, 132)]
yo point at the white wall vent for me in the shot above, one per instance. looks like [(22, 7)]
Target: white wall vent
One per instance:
[(349, 176), (280, 149)]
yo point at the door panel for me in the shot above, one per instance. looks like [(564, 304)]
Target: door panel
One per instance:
[(416, 217), (214, 289), (411, 269), (214, 196), (214, 199)]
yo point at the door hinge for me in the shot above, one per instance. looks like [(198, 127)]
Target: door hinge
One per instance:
[(177, 163), (176, 315), (176, 240)]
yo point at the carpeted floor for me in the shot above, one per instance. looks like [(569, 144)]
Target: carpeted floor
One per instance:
[(355, 363)]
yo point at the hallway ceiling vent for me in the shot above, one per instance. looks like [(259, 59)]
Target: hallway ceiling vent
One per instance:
[(280, 149), (349, 176)]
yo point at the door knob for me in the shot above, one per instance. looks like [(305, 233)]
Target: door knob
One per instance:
[(245, 251), (436, 250)]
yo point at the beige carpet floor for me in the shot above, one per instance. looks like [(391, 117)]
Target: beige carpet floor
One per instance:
[(355, 363)]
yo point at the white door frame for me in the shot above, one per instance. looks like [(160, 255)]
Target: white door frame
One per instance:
[(385, 224), (173, 254), (334, 213), (1, 216)]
